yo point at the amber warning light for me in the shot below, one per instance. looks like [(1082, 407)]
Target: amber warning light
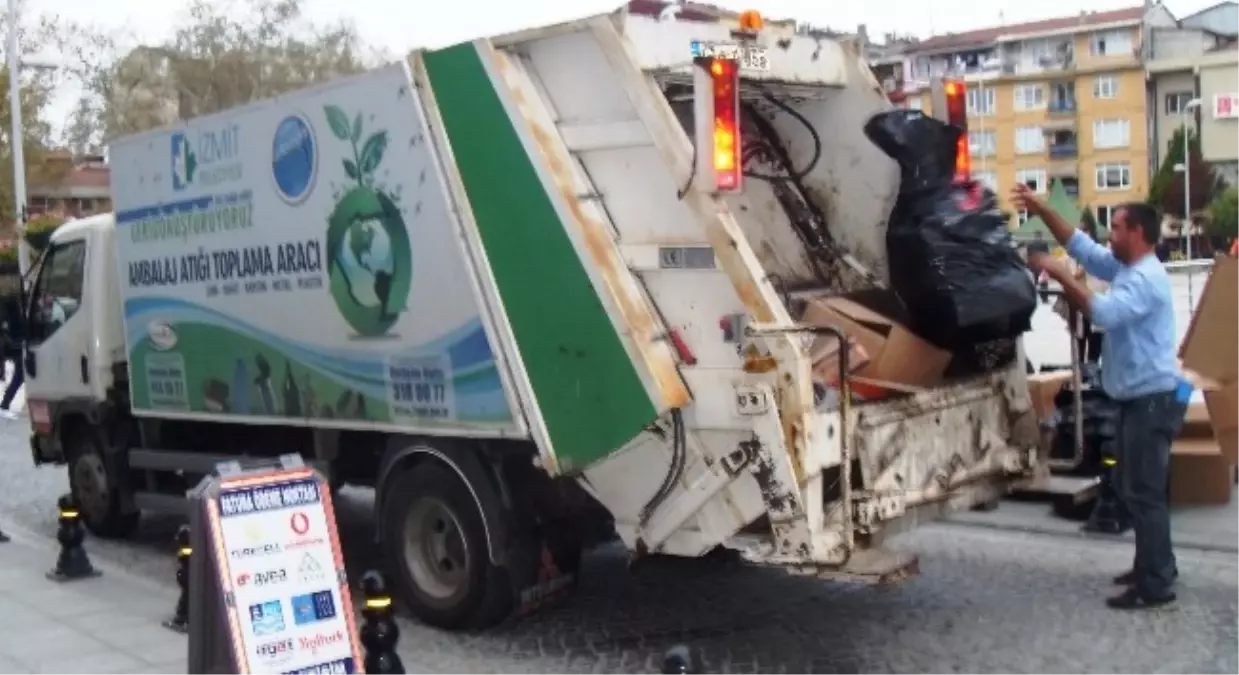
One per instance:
[(957, 115), (726, 124)]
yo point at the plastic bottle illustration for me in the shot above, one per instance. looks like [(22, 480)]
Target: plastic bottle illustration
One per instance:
[(263, 382), (240, 389), (292, 395), (310, 399)]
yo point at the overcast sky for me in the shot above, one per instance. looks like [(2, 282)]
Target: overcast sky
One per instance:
[(398, 25)]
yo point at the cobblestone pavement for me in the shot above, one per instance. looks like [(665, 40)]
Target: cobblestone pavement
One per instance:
[(987, 599)]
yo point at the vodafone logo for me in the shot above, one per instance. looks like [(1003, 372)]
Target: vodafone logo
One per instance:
[(300, 523)]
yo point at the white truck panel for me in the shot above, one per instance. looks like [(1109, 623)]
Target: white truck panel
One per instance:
[(322, 210)]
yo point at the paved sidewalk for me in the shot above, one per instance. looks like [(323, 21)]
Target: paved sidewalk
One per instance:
[(109, 624)]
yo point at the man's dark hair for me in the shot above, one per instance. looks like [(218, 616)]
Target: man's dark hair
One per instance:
[(1146, 218)]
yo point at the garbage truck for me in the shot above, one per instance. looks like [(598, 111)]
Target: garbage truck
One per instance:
[(607, 279)]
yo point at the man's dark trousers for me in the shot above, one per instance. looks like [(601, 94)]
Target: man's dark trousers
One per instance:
[(1148, 426)]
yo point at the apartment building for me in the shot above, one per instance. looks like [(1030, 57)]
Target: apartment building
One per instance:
[(1060, 99), (1193, 81)]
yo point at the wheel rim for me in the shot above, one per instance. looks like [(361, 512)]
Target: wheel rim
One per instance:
[(435, 551), (90, 482)]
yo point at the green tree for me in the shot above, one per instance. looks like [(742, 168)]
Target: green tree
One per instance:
[(219, 57), (1088, 223), (1224, 214), (1166, 189)]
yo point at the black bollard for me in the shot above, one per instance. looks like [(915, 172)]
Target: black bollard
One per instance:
[(72, 563), (680, 660), (379, 632), (1109, 514), (180, 619)]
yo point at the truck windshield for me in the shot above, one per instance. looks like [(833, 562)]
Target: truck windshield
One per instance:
[(57, 291)]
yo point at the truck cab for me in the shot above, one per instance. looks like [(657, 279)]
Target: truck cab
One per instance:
[(74, 331)]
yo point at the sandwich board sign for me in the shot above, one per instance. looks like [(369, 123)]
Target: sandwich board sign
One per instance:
[(275, 561)]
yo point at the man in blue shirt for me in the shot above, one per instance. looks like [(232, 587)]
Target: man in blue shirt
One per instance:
[(1138, 370)]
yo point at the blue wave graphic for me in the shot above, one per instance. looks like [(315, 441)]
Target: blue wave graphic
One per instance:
[(466, 347)]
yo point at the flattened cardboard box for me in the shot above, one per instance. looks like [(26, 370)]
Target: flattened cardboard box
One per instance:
[(1199, 474), (1210, 353), (895, 354)]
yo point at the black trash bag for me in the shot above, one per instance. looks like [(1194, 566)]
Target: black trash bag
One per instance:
[(923, 147), (951, 258)]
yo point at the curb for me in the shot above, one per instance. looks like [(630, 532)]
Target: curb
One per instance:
[(1081, 535)]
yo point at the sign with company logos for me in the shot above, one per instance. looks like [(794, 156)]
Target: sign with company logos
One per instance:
[(278, 553)]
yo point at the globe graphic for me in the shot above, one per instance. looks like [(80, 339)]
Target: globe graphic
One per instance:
[(366, 251)]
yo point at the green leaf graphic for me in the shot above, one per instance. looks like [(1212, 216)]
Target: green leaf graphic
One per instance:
[(357, 128), (350, 168), (338, 122), (372, 152)]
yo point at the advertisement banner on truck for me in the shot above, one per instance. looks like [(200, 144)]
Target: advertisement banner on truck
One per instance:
[(299, 258)]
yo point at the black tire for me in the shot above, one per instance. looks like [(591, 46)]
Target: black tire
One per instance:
[(479, 594), (96, 487)]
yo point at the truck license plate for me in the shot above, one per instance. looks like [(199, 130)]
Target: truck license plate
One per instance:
[(755, 58), (750, 57)]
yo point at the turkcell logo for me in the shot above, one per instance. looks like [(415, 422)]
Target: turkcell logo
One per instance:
[(206, 158), (294, 159)]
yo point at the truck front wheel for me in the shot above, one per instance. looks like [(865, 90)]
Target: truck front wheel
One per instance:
[(95, 485), (436, 544)]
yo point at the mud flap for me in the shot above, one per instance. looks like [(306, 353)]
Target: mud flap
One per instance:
[(544, 568)]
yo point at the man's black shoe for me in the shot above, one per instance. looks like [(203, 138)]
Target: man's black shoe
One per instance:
[(1128, 578), (1131, 599)]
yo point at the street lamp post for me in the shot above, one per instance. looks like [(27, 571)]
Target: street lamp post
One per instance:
[(1186, 168), (15, 142), (17, 136), (1187, 174)]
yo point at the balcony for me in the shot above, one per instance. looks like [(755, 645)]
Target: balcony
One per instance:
[(1062, 108), (1063, 150)]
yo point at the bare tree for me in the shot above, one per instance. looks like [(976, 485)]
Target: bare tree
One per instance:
[(222, 55)]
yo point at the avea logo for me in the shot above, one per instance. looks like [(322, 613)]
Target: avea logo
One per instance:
[(206, 158)]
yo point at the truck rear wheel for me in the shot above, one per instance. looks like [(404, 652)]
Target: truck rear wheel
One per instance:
[(436, 544), (97, 489)]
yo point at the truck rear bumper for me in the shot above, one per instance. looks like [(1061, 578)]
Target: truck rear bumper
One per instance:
[(908, 460)]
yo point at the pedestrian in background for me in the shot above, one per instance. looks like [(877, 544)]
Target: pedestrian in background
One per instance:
[(1139, 371), (12, 330)]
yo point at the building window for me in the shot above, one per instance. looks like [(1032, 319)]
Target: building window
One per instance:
[(1111, 134), (1029, 140), (1114, 176), (1177, 102), (982, 143), (1029, 97), (1033, 178), (1062, 97), (980, 101), (1112, 43), (987, 178), (1104, 216), (1105, 86)]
